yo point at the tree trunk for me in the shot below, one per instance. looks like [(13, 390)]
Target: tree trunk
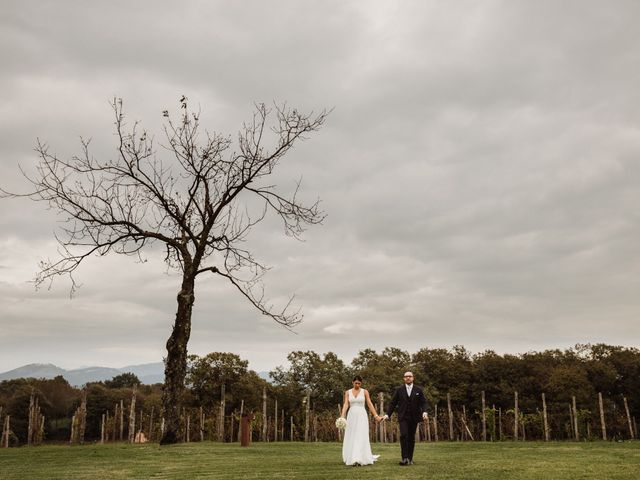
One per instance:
[(176, 362)]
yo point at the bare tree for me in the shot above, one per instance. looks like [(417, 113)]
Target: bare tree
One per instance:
[(192, 196)]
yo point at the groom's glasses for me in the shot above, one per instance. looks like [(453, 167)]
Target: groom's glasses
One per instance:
[(408, 376)]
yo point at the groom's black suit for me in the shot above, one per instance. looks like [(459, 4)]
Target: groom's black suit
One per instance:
[(410, 411)]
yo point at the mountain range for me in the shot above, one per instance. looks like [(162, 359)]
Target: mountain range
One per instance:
[(147, 373)]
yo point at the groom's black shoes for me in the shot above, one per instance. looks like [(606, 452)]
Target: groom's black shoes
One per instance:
[(404, 462)]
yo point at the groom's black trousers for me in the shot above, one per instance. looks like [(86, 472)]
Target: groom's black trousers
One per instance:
[(407, 437)]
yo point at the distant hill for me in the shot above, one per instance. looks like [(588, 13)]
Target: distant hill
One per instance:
[(148, 373)]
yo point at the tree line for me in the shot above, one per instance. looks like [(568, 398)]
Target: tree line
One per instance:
[(301, 398)]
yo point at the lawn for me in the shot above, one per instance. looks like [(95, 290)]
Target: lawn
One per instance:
[(598, 460)]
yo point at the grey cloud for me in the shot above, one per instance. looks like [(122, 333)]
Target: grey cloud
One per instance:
[(478, 171)]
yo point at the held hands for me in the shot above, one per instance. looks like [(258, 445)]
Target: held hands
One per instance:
[(381, 418)]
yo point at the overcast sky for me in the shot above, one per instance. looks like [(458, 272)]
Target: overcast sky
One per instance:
[(480, 172)]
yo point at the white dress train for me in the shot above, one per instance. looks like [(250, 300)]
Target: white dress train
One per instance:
[(356, 448)]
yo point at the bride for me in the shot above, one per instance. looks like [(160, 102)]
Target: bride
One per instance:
[(356, 449)]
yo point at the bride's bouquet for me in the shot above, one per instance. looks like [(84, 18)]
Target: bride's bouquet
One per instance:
[(341, 423)]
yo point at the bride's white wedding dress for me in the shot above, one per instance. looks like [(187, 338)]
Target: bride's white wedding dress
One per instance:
[(356, 448)]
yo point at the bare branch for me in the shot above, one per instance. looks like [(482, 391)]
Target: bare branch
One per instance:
[(284, 318), (187, 196)]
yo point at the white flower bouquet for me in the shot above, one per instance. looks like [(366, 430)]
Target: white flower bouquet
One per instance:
[(341, 423)]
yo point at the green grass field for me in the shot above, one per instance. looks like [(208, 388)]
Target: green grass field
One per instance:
[(602, 461)]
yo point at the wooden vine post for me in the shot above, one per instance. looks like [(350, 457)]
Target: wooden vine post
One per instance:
[(83, 416), (484, 418), (102, 427), (264, 414), (6, 431), (121, 420), (381, 425), (493, 422), (576, 432), (450, 412), (632, 433), (464, 424), (545, 422), (241, 413), (35, 429), (31, 419), (107, 423), (516, 415), (139, 436), (463, 421), (306, 418), (151, 424), (435, 423), (201, 417), (223, 396), (275, 421), (132, 415), (291, 428), (115, 421), (78, 421), (603, 426)]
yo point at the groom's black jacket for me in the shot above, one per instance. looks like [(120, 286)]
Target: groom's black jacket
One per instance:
[(409, 409)]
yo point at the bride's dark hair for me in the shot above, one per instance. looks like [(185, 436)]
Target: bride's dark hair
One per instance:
[(357, 377)]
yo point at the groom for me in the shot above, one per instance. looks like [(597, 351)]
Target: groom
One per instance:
[(412, 406)]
